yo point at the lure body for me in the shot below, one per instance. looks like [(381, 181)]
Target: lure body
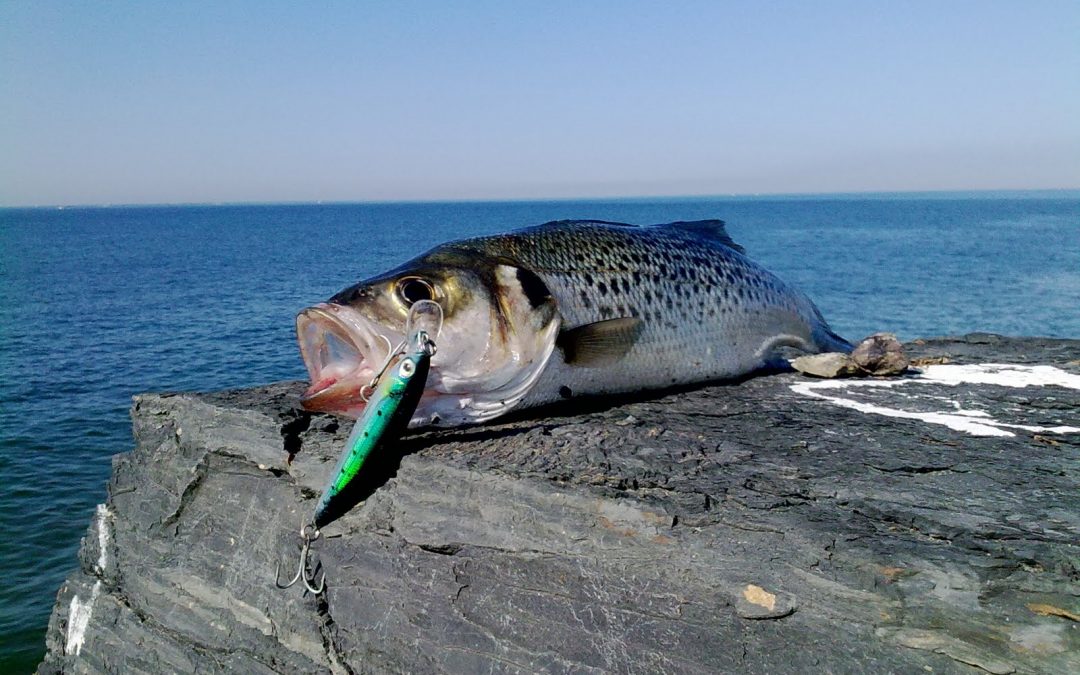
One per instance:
[(384, 419)]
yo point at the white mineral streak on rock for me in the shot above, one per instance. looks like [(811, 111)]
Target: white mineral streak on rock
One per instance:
[(974, 422), (1003, 374), (103, 516), (79, 613), (78, 620)]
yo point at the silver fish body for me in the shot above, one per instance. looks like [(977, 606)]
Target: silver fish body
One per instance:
[(566, 309)]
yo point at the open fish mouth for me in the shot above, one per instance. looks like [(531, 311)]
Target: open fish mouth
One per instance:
[(341, 349)]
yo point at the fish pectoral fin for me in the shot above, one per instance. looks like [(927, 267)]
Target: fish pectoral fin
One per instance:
[(599, 344)]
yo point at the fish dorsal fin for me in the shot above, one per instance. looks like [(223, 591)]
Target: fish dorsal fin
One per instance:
[(559, 223), (713, 230), (599, 344)]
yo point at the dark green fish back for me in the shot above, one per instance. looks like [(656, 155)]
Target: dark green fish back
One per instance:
[(706, 310), (665, 273)]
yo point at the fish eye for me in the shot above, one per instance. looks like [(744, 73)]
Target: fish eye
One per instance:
[(414, 289), (406, 369)]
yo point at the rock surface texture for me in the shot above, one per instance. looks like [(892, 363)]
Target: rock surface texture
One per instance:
[(780, 525)]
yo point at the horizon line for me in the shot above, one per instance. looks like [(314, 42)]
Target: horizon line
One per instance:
[(598, 198)]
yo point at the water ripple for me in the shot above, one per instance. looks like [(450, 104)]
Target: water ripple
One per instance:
[(97, 305)]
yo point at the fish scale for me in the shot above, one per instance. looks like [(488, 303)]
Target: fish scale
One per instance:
[(706, 309)]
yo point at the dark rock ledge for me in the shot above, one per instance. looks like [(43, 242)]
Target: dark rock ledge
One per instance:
[(742, 528)]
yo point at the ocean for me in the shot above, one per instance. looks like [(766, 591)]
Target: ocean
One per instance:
[(98, 304)]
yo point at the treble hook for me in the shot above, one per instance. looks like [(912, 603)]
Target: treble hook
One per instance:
[(301, 572)]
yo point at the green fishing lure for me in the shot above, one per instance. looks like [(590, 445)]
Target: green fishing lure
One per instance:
[(390, 407), (392, 397)]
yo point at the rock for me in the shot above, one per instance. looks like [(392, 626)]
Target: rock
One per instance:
[(780, 525), (880, 354), (829, 364), (757, 603)]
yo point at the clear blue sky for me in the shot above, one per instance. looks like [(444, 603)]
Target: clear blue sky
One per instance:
[(136, 102)]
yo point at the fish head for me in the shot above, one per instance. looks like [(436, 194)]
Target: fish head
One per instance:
[(498, 328)]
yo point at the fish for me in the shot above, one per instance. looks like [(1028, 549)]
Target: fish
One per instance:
[(387, 413), (560, 310)]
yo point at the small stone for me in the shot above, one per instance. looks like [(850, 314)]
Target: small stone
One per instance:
[(880, 354), (627, 421), (754, 602), (831, 364)]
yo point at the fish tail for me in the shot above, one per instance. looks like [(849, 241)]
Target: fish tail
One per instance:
[(825, 339)]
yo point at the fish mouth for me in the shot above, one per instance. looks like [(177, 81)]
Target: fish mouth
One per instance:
[(341, 349)]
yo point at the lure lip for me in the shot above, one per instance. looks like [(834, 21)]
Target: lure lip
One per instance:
[(341, 350)]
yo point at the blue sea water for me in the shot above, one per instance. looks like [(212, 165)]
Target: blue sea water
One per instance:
[(98, 304)]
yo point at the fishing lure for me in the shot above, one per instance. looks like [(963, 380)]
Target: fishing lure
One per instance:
[(392, 397), (390, 407)]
